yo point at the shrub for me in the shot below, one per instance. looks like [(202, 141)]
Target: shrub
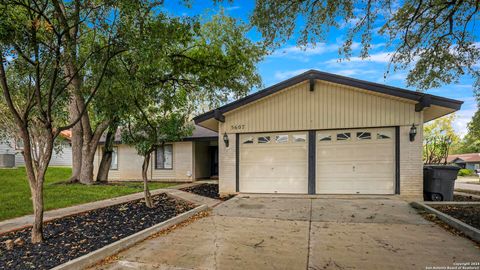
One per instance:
[(465, 172)]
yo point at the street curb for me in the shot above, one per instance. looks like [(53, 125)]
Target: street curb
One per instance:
[(115, 247), (466, 194), (455, 223)]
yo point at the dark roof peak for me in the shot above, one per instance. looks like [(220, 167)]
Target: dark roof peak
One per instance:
[(334, 78)]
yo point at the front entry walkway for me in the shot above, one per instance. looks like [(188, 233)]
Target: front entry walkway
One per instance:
[(259, 232)]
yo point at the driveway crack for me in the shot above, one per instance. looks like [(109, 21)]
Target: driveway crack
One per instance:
[(215, 242), (309, 233)]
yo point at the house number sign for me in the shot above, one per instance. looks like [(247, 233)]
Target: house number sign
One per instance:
[(238, 127)]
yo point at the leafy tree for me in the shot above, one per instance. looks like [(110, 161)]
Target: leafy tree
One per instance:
[(471, 141), (435, 38), (438, 137), (38, 77), (152, 127), (171, 65)]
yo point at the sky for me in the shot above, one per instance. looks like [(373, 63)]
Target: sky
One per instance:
[(289, 60)]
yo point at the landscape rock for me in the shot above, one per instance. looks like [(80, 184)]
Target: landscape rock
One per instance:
[(9, 244), (19, 242)]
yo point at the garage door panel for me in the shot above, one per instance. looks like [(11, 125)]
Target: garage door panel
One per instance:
[(275, 166), (258, 170), (273, 185), (357, 165), (269, 155), (354, 152)]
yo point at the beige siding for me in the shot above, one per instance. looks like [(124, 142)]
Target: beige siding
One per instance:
[(330, 106), (130, 164)]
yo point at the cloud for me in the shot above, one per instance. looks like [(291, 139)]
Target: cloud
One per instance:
[(464, 116), (381, 57), (282, 75), (232, 8), (304, 53), (355, 72)]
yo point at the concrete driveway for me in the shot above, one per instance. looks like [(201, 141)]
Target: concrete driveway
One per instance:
[(258, 232)]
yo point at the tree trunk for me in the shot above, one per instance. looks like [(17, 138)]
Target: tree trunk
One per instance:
[(90, 144), (37, 200), (146, 191), (77, 142), (88, 156), (104, 168)]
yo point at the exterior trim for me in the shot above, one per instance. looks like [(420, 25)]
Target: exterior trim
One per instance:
[(189, 139), (397, 160), (318, 75), (312, 161), (237, 162)]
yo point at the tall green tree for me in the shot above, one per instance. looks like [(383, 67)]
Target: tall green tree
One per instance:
[(434, 39), (438, 138), (171, 65), (38, 75), (471, 142)]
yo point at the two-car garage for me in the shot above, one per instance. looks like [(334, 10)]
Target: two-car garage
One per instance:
[(354, 161), (321, 133)]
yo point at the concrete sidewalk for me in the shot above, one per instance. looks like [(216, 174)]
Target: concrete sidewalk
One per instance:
[(462, 185), (255, 232), (20, 222)]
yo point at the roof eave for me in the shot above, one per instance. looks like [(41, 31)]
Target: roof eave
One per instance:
[(318, 75)]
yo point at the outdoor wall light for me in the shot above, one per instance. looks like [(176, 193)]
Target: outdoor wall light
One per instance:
[(413, 132), (225, 139)]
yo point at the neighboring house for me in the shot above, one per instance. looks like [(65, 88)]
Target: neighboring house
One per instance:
[(320, 133), (469, 161), (195, 157), (62, 158)]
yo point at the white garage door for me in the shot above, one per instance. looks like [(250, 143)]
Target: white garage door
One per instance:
[(359, 161), (273, 163)]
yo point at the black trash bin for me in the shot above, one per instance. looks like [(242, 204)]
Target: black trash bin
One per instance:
[(439, 182)]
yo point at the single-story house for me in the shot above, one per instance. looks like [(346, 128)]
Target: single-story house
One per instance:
[(320, 133), (11, 152), (469, 161), (194, 157)]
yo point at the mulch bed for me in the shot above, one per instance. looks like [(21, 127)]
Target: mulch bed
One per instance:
[(74, 236), (470, 214), (207, 190), (461, 198)]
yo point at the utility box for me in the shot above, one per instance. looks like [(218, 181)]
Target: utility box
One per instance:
[(7, 160)]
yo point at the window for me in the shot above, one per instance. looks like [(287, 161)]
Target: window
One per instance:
[(343, 136), (299, 138), (263, 139), (114, 162), (324, 137), (364, 135), (248, 140), (164, 157), (281, 139), (18, 144), (477, 166), (382, 135)]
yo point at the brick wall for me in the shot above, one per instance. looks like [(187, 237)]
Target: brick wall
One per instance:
[(411, 163), (227, 158)]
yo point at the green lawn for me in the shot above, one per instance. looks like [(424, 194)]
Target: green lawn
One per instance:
[(15, 194)]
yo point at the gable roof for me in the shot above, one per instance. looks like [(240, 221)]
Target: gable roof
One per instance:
[(329, 77), (471, 157)]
